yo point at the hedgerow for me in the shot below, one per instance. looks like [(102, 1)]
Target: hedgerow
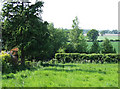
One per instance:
[(8, 64), (81, 58)]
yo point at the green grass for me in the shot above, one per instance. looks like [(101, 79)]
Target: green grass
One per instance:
[(67, 75), (115, 45), (112, 37)]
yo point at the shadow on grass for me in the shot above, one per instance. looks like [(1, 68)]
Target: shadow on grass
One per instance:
[(18, 69), (72, 70), (58, 65), (69, 70)]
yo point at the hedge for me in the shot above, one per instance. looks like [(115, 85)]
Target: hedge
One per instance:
[(112, 40), (81, 58)]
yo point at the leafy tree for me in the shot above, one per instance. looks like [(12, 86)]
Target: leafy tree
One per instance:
[(81, 46), (95, 48), (115, 31), (77, 40), (107, 47), (24, 28), (57, 39), (102, 33), (76, 31), (93, 35)]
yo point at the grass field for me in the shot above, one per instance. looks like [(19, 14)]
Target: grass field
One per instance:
[(110, 37), (115, 45), (67, 75)]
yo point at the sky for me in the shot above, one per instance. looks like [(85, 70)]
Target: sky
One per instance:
[(92, 14)]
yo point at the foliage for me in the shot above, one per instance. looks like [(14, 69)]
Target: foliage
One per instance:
[(109, 32), (102, 33), (6, 62), (24, 28), (57, 39), (95, 48), (61, 50), (75, 32), (82, 58), (77, 40), (115, 45), (92, 35), (106, 47)]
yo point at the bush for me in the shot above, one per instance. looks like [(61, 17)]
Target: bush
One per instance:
[(83, 58), (95, 48), (6, 62), (107, 47)]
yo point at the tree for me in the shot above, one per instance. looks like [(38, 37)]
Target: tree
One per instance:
[(107, 47), (77, 40), (95, 48), (76, 31), (23, 28), (102, 33), (57, 39), (115, 31), (92, 35), (81, 46)]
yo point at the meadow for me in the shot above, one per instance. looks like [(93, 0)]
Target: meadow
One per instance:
[(109, 36), (65, 75)]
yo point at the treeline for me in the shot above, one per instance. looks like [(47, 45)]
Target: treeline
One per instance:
[(101, 32), (109, 32)]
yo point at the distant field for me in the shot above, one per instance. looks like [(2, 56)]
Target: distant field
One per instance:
[(109, 36), (65, 75), (115, 45)]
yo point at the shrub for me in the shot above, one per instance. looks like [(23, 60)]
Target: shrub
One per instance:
[(95, 48), (83, 58), (6, 62), (107, 47)]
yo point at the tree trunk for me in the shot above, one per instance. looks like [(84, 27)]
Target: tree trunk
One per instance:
[(22, 56)]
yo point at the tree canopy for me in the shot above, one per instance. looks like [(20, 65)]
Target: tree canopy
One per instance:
[(57, 39), (95, 48), (77, 40), (92, 35), (24, 28), (107, 47)]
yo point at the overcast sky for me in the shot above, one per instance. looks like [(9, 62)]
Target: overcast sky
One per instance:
[(92, 14)]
